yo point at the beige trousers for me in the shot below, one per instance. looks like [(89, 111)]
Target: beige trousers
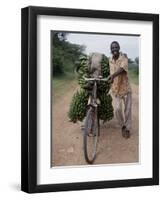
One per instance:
[(122, 109)]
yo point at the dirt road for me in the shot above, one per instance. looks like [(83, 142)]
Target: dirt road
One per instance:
[(67, 140)]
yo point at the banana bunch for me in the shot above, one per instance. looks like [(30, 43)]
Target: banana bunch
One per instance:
[(104, 87), (78, 106), (82, 70), (105, 109)]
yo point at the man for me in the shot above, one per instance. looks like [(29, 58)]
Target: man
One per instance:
[(121, 90)]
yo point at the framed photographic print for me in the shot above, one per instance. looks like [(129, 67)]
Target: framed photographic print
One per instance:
[(90, 99)]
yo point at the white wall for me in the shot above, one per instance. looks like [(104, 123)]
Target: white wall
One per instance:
[(10, 40)]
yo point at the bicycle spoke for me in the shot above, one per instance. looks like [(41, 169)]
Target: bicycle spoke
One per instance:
[(91, 135)]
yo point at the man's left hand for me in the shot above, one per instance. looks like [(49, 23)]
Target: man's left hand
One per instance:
[(111, 79)]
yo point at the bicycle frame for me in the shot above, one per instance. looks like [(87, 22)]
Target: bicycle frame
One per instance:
[(94, 90), (93, 97)]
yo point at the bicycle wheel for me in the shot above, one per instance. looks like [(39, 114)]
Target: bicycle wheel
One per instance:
[(91, 133)]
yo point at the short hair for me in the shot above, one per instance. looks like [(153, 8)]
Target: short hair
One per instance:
[(115, 42)]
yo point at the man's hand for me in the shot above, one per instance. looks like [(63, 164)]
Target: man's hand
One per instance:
[(111, 79), (117, 73)]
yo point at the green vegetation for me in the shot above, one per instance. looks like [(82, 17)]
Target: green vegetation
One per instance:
[(78, 106), (134, 73), (64, 57), (105, 107), (64, 54), (61, 84), (82, 70)]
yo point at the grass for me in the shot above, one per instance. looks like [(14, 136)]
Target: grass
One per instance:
[(134, 78), (62, 84), (133, 74)]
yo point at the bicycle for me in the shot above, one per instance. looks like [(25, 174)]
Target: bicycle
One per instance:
[(92, 122)]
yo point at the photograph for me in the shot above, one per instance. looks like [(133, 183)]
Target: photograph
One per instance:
[(90, 99), (94, 98)]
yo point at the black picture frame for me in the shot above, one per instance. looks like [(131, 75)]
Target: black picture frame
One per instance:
[(29, 98)]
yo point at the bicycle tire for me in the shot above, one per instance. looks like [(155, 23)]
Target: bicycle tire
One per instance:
[(90, 141)]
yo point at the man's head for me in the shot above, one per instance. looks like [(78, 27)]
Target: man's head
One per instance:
[(114, 47)]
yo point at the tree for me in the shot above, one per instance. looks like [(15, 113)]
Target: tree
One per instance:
[(130, 60), (64, 53), (137, 60), (58, 40)]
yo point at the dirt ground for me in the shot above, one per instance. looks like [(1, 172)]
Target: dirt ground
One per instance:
[(67, 140)]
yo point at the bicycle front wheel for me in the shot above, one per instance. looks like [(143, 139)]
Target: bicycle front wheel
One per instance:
[(91, 133)]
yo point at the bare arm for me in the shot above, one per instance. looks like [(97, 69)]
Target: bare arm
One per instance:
[(117, 73)]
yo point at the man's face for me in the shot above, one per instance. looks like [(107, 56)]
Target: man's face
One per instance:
[(115, 49)]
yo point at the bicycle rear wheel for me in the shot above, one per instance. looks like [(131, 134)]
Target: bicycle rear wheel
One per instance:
[(91, 133)]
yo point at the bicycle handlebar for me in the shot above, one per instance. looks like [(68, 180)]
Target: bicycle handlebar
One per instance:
[(96, 79)]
